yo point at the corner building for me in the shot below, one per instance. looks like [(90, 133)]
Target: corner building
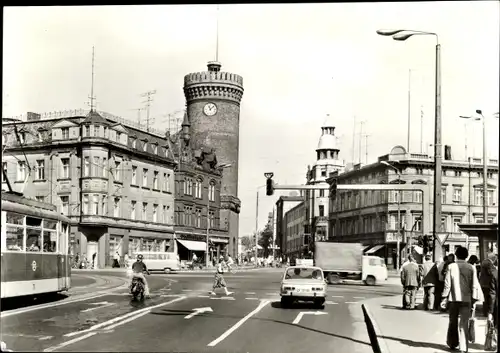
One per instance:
[(213, 105), (114, 182)]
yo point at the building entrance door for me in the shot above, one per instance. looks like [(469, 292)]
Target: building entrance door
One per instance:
[(92, 248)]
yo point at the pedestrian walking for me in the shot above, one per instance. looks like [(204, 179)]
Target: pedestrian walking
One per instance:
[(461, 291), (411, 281), (491, 309), (429, 277), (440, 283), (219, 281), (230, 264), (126, 260), (116, 260), (93, 260)]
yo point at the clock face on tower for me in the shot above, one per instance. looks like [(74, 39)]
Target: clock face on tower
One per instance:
[(210, 109)]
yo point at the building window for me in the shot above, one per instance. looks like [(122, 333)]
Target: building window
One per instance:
[(85, 204), (104, 167), (211, 217), (65, 168), (65, 133), (4, 166), (87, 131), (321, 210), (86, 166), (456, 222), (21, 170), (457, 195), (443, 195), (490, 199), (458, 173), (165, 216), (144, 211), (197, 188), (198, 218), (419, 171), (478, 196), (166, 182), (323, 173), (418, 223), (133, 206), (134, 143), (155, 180), (417, 197), (116, 207), (118, 174), (155, 149), (321, 193), (95, 205), (144, 177), (443, 224), (96, 166), (105, 132), (145, 146), (65, 205), (155, 213), (96, 131), (40, 169), (190, 187), (211, 191), (118, 137), (104, 208), (134, 175)]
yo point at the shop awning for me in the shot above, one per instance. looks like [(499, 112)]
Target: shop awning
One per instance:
[(193, 245), (375, 249)]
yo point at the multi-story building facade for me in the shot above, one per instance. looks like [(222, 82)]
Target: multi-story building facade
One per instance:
[(283, 205), (115, 183), (327, 161), (198, 180), (370, 217), (294, 221)]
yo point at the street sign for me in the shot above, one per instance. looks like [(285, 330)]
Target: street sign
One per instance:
[(391, 238), (442, 237)]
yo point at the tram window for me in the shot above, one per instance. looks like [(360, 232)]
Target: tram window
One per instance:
[(49, 224), (33, 239), (15, 218), (14, 239), (33, 222), (49, 241)]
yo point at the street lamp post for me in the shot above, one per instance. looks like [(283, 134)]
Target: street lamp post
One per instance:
[(207, 248), (398, 250), (402, 35)]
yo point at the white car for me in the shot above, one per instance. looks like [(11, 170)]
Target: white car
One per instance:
[(303, 283)]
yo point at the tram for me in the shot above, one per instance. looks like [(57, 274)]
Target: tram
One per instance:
[(34, 248)]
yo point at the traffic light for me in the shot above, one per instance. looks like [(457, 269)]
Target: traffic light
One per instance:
[(420, 241), (425, 244), (333, 189), (430, 244), (269, 187)]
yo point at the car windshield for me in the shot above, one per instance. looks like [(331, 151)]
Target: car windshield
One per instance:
[(304, 273)]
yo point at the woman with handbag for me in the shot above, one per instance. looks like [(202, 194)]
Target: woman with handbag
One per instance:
[(491, 341)]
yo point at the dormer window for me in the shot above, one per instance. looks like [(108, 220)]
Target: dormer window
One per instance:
[(155, 149), (105, 132), (134, 143), (145, 146), (22, 137), (65, 133), (118, 136), (165, 151), (87, 130), (96, 131), (40, 136)]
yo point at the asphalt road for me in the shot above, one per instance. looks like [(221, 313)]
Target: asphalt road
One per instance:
[(250, 320)]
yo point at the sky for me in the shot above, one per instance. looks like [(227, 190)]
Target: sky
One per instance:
[(299, 62)]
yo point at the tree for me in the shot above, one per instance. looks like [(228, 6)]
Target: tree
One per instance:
[(247, 242), (266, 237)]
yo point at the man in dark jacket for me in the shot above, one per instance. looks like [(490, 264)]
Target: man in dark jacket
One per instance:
[(411, 281), (429, 275), (485, 280)]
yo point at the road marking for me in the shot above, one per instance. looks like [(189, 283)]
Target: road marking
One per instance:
[(302, 313), (38, 337), (67, 343), (222, 298), (48, 305), (99, 305), (252, 298), (45, 338), (187, 290), (203, 296), (262, 304), (198, 311), (337, 296), (112, 321), (359, 297), (249, 292), (170, 295), (275, 293), (330, 302), (351, 302)]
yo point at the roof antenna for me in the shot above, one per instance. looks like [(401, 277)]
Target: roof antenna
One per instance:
[(92, 98)]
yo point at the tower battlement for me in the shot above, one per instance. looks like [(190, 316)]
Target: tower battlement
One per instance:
[(213, 84)]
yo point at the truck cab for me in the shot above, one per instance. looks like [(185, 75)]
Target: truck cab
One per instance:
[(374, 270)]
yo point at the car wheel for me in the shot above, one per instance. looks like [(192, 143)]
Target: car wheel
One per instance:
[(333, 278), (166, 270), (319, 303), (370, 281), (285, 302)]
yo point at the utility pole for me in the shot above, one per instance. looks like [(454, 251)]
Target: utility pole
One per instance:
[(409, 111), (353, 139), (148, 105), (360, 139), (422, 129), (366, 148), (138, 115), (91, 97)]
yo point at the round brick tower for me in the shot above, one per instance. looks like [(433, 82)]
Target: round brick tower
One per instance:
[(213, 106)]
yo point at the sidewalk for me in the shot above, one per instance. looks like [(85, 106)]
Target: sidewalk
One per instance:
[(412, 331)]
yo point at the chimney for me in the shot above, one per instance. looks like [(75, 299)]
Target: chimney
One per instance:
[(33, 116)]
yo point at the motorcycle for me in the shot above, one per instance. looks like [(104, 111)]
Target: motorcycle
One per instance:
[(137, 288)]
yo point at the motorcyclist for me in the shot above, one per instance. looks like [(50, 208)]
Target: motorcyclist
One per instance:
[(138, 269)]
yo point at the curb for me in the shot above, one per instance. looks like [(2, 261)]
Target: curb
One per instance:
[(378, 345)]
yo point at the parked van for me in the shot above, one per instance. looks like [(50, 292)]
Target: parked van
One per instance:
[(160, 261)]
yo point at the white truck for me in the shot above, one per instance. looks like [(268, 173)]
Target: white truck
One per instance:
[(340, 261)]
